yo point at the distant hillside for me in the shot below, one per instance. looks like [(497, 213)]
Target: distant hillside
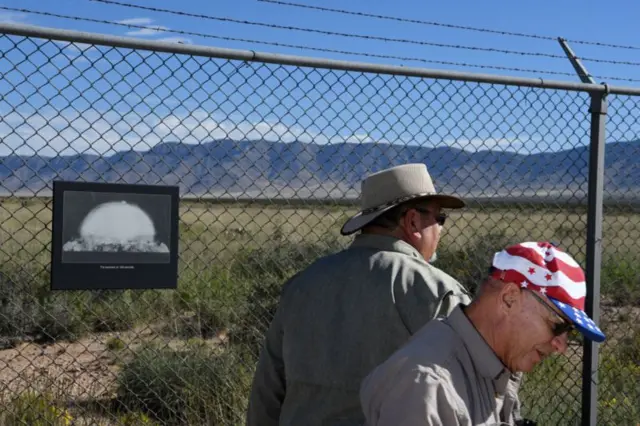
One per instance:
[(267, 169)]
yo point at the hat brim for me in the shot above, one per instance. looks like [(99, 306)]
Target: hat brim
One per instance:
[(360, 220), (581, 321)]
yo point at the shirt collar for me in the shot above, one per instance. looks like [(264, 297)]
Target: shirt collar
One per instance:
[(386, 243), (483, 357)]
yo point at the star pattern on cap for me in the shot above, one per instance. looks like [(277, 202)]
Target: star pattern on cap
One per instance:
[(583, 320), (547, 270)]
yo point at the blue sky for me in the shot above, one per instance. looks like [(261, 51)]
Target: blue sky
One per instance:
[(387, 109)]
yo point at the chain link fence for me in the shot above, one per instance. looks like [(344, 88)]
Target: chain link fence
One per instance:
[(268, 157)]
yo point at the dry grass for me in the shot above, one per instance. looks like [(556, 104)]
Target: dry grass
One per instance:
[(25, 226)]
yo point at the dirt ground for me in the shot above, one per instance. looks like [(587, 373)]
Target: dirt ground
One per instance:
[(81, 372), (82, 375)]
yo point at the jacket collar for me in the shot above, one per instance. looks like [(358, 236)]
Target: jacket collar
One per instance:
[(385, 243), (482, 355)]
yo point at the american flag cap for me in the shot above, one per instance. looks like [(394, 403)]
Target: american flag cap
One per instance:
[(543, 267)]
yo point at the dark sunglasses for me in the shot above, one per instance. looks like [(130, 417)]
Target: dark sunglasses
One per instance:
[(558, 328), (440, 218)]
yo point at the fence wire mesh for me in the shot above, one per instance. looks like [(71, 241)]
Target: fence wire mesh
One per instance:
[(619, 375), (268, 159)]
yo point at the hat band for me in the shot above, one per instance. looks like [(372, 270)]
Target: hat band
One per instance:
[(396, 201)]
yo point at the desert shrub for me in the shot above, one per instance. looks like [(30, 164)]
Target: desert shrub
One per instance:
[(29, 309), (619, 382), (34, 409), (281, 258), (115, 344), (196, 385), (18, 305), (620, 279), (470, 264), (550, 394), (58, 319), (208, 301), (627, 350), (114, 310), (135, 419)]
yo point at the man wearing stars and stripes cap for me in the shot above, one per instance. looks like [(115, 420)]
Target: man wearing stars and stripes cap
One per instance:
[(458, 370), (543, 268)]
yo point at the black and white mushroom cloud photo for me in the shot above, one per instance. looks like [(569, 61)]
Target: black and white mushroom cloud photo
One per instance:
[(117, 226)]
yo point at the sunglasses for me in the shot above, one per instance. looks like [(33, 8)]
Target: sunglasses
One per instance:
[(440, 218), (560, 328)]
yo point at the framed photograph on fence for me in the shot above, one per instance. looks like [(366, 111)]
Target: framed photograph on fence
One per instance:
[(114, 236)]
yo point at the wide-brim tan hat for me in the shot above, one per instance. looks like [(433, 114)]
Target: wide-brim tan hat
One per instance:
[(383, 190)]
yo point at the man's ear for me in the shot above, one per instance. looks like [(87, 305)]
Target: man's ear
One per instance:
[(510, 296), (410, 221)]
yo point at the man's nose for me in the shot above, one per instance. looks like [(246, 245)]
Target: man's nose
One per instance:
[(560, 343)]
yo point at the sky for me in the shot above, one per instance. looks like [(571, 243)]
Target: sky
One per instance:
[(89, 106)]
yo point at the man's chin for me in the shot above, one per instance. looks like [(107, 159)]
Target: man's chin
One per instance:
[(526, 367), (530, 366)]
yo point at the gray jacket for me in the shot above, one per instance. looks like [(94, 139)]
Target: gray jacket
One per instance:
[(336, 321)]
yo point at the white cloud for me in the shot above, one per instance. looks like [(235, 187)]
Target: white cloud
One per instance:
[(136, 21), (77, 52), (147, 31), (360, 138), (480, 144), (12, 17), (523, 143), (50, 132)]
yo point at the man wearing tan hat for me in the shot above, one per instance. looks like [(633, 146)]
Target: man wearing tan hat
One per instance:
[(348, 312)]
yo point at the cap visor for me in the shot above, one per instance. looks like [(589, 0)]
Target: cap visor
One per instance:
[(581, 321)]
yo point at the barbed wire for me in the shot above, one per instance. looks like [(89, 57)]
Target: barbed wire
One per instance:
[(301, 47), (441, 24), (332, 33), (413, 21), (360, 36), (346, 52)]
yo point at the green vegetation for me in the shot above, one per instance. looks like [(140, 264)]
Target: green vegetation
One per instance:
[(115, 344), (198, 385), (35, 409), (191, 351)]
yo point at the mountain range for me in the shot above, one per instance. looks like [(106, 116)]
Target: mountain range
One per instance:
[(255, 169)]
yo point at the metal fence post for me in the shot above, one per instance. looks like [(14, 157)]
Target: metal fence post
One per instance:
[(598, 110)]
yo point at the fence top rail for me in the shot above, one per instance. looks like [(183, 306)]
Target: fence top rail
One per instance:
[(303, 61)]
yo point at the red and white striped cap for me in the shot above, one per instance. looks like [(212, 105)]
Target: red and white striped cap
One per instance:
[(543, 267)]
